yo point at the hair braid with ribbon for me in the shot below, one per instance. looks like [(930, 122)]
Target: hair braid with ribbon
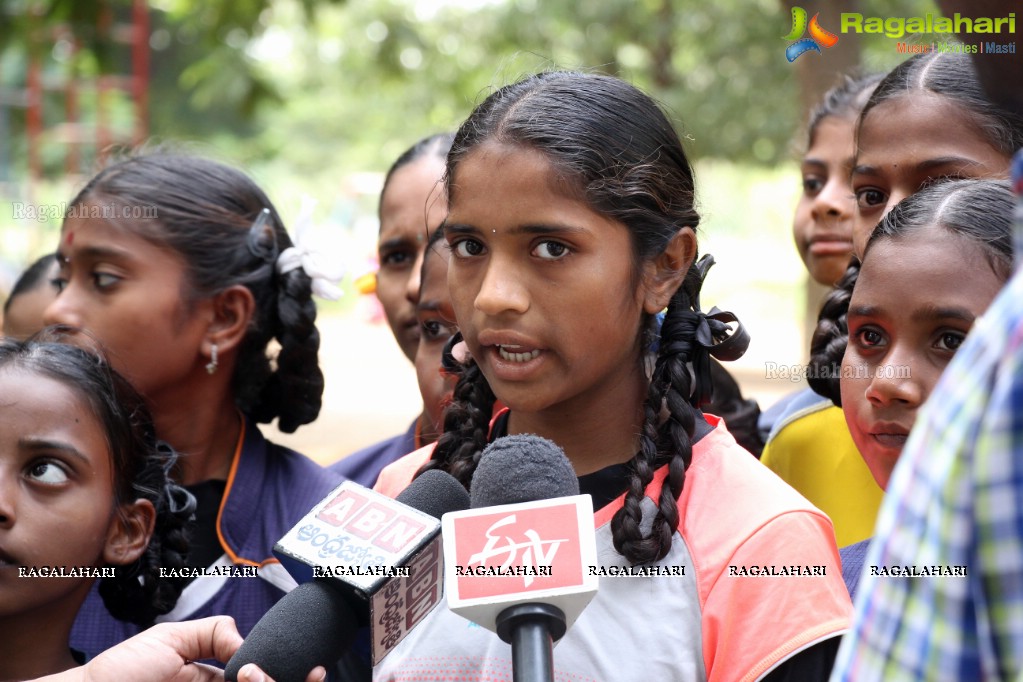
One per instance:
[(227, 232), (139, 593), (680, 382)]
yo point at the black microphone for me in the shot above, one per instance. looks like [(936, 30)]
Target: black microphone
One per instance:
[(516, 562), (362, 559), (311, 625)]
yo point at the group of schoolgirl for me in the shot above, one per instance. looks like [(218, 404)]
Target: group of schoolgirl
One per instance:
[(566, 202), (928, 140)]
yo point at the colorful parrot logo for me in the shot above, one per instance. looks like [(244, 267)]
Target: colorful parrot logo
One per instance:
[(818, 35)]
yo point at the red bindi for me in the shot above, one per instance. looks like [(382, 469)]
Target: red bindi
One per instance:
[(70, 238)]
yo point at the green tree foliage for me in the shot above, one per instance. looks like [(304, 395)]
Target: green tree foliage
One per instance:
[(390, 74), (202, 82), (322, 84)]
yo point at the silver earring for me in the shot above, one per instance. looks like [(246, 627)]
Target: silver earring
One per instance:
[(211, 366)]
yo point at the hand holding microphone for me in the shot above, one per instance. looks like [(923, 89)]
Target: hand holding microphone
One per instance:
[(362, 559), (164, 653)]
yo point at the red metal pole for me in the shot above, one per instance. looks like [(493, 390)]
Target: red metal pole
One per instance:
[(34, 116), (103, 86), (140, 68), (71, 162)]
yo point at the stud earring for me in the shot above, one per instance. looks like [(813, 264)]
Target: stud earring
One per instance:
[(211, 366)]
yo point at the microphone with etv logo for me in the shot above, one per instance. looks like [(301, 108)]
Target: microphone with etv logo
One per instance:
[(516, 562), (362, 559)]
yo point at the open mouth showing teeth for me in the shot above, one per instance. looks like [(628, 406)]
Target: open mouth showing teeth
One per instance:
[(510, 354)]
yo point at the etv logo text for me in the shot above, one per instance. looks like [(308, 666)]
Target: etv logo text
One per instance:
[(818, 35), (532, 549), (533, 553)]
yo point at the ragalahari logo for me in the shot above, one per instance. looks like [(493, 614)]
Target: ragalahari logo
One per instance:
[(819, 37)]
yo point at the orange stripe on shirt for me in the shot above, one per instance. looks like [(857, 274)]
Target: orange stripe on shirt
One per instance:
[(235, 461)]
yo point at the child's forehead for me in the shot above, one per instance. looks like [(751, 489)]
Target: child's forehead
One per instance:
[(833, 126), (535, 174), (918, 111), (95, 222), (51, 399), (929, 259), (496, 153), (882, 247), (832, 141), (904, 136)]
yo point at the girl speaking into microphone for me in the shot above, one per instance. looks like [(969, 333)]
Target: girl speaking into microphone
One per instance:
[(572, 224)]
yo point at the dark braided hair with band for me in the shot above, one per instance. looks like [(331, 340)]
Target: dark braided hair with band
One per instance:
[(140, 465), (614, 149), (827, 345), (228, 233)]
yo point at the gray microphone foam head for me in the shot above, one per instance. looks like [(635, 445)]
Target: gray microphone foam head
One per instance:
[(436, 493), (522, 468)]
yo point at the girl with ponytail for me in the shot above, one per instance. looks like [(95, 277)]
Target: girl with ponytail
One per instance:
[(572, 225), (182, 269)]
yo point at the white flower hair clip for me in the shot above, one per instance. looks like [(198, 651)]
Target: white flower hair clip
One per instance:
[(324, 271)]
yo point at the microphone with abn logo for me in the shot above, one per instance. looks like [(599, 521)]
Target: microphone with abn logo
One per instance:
[(362, 559)]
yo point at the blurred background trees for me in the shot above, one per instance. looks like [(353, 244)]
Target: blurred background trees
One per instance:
[(318, 84), (319, 96)]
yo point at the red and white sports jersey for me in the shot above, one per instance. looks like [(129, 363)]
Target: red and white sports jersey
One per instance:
[(752, 578)]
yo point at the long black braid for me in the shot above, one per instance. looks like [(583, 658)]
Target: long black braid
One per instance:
[(827, 346), (680, 382)]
